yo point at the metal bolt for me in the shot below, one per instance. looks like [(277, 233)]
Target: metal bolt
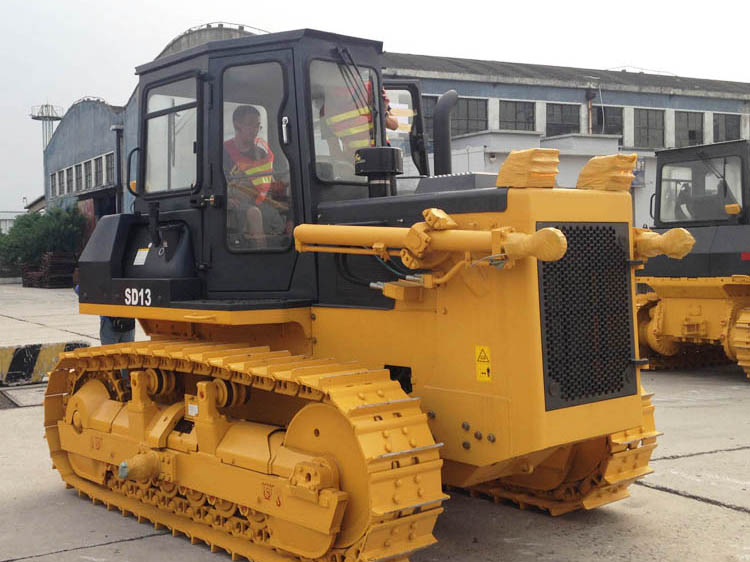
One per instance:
[(491, 437), (478, 434), (431, 415), (465, 426), (312, 316), (466, 445)]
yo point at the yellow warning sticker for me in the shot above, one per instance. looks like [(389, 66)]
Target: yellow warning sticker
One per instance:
[(482, 363)]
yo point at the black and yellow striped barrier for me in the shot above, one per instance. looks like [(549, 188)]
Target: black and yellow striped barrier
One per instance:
[(26, 364)]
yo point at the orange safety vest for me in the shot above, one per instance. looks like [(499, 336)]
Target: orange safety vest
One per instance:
[(258, 171), (349, 122)]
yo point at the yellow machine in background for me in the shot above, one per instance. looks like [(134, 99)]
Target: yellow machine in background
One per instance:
[(307, 399), (696, 312)]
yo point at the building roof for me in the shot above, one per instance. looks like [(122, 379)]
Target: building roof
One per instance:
[(426, 66), (215, 31), (36, 204), (98, 100)]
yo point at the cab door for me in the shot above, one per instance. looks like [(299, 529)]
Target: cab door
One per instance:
[(254, 197)]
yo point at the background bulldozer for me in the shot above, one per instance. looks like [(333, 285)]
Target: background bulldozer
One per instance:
[(696, 312), (330, 343)]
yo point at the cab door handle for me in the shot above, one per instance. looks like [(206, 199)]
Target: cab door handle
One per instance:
[(285, 129)]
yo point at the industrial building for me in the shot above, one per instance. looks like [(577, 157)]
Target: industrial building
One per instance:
[(502, 106)]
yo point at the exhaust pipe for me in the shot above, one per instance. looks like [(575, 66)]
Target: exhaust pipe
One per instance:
[(441, 129)]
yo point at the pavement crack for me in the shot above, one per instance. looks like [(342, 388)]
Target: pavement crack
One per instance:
[(687, 455), (45, 326), (690, 496), (85, 547)]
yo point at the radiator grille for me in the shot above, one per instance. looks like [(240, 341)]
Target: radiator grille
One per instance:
[(586, 317)]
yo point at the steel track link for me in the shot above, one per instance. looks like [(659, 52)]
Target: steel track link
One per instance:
[(403, 462), (740, 339)]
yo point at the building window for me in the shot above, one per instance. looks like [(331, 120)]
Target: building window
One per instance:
[(469, 116), (606, 121), (98, 180), (79, 177), (110, 161), (563, 119), (726, 127), (61, 182), (649, 128), (87, 174), (517, 115), (52, 184), (688, 128), (69, 180)]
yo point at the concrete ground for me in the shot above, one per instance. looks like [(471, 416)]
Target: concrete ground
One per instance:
[(31, 316), (696, 506)]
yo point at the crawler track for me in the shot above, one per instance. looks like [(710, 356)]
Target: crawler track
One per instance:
[(691, 356), (402, 461), (617, 460)]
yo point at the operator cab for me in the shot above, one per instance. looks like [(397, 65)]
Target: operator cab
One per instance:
[(701, 185), (704, 189), (239, 141)]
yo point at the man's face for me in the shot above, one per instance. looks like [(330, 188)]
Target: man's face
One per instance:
[(246, 129)]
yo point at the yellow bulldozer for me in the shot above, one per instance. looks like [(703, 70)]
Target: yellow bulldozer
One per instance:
[(331, 344), (696, 312)]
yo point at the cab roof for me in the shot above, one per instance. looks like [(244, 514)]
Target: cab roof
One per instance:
[(252, 41)]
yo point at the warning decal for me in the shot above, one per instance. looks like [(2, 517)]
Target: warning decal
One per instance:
[(482, 363), (140, 256)]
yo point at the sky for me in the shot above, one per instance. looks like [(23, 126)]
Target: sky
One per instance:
[(58, 51)]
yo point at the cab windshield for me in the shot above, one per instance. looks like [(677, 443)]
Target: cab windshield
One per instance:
[(698, 190)]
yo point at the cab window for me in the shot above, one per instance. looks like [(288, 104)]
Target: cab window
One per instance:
[(342, 100), (171, 136), (399, 121), (258, 210), (699, 190)]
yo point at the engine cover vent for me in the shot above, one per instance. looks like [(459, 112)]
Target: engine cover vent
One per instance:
[(587, 317)]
